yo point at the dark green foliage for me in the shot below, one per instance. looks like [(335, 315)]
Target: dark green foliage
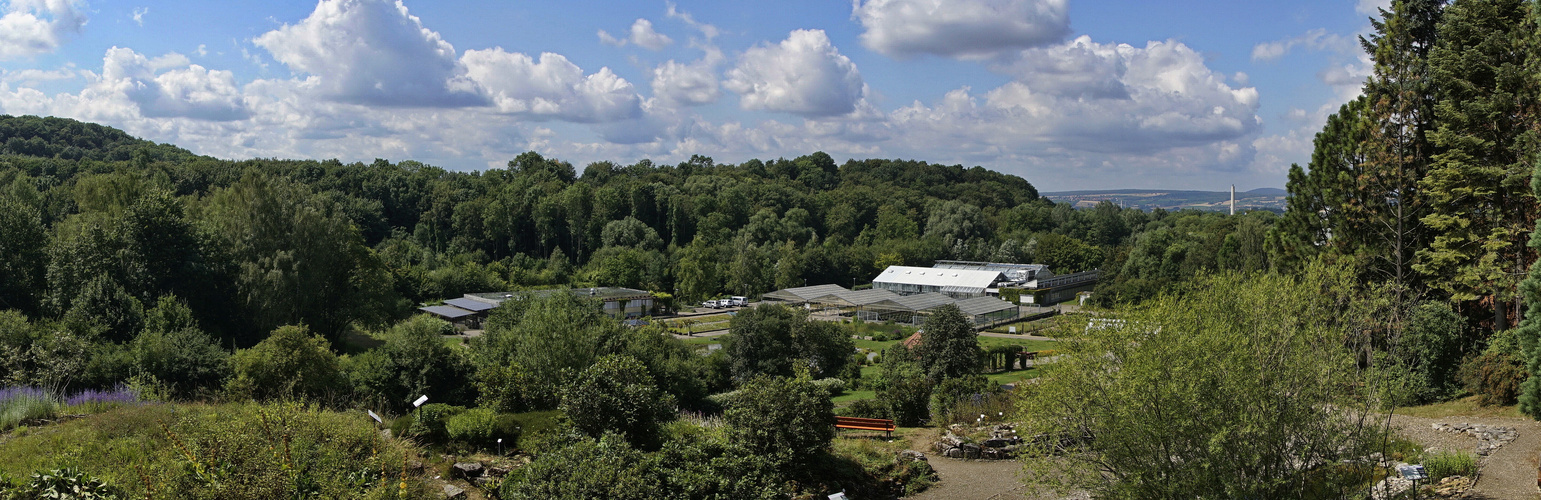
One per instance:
[(902, 387), (22, 262), (414, 361), (534, 345), (431, 421), (951, 395), (790, 421), (1432, 346), (61, 484), (615, 394), (948, 346), (1494, 376), (289, 363), (175, 353), (607, 468), (779, 341), (1485, 82), (298, 259)]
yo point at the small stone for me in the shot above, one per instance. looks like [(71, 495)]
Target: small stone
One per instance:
[(451, 491)]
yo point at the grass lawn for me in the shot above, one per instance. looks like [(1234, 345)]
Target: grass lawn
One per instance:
[(852, 396), (873, 345), (699, 341), (1012, 377), (1464, 407)]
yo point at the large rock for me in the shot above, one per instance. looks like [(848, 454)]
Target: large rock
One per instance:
[(912, 455), (468, 470), (452, 492)]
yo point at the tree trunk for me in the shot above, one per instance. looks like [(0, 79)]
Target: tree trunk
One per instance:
[(1500, 315)]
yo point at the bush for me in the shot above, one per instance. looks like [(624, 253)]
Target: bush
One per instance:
[(474, 427), (414, 361), (832, 386), (20, 405), (289, 363), (864, 408), (222, 451), (949, 395), (432, 419), (616, 394), (1494, 376), (788, 420)]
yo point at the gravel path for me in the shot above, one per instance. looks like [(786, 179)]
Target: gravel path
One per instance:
[(976, 479), (1509, 473)]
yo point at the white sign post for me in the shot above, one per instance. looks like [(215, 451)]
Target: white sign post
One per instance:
[(376, 417), (420, 401)]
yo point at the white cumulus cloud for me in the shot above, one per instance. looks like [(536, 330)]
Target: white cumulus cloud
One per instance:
[(169, 86), (373, 52), (804, 75), (32, 27), (642, 35), (550, 88), (968, 29)]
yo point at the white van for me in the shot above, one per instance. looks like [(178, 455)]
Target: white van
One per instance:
[(738, 301)]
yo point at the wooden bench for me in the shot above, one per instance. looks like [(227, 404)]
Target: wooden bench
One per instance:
[(866, 424)]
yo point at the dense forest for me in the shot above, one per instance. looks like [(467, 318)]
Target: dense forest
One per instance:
[(1397, 277), (101, 222)]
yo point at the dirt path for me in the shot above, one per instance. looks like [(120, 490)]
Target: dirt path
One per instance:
[(1508, 473), (976, 479)]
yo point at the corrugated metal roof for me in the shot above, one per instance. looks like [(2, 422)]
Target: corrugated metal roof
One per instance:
[(450, 312), (805, 293), (931, 276), (866, 297), (976, 306), (924, 301), (471, 304)]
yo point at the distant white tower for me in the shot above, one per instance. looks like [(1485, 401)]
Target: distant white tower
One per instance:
[(1233, 199)]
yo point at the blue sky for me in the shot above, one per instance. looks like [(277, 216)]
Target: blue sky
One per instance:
[(1069, 94)]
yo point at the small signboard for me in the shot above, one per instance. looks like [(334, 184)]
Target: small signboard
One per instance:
[(1413, 472), (1011, 329), (376, 417), (420, 401)]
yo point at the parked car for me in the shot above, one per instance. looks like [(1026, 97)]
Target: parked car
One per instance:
[(738, 301)]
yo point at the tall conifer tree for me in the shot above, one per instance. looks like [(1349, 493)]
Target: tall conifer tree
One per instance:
[(1486, 92), (1400, 106)]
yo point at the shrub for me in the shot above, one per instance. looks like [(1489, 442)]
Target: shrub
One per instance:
[(1494, 376), (788, 420), (222, 451), (289, 363), (616, 394), (1444, 464), (431, 420), (952, 393), (833, 386), (414, 361), (94, 401), (20, 405), (864, 408)]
